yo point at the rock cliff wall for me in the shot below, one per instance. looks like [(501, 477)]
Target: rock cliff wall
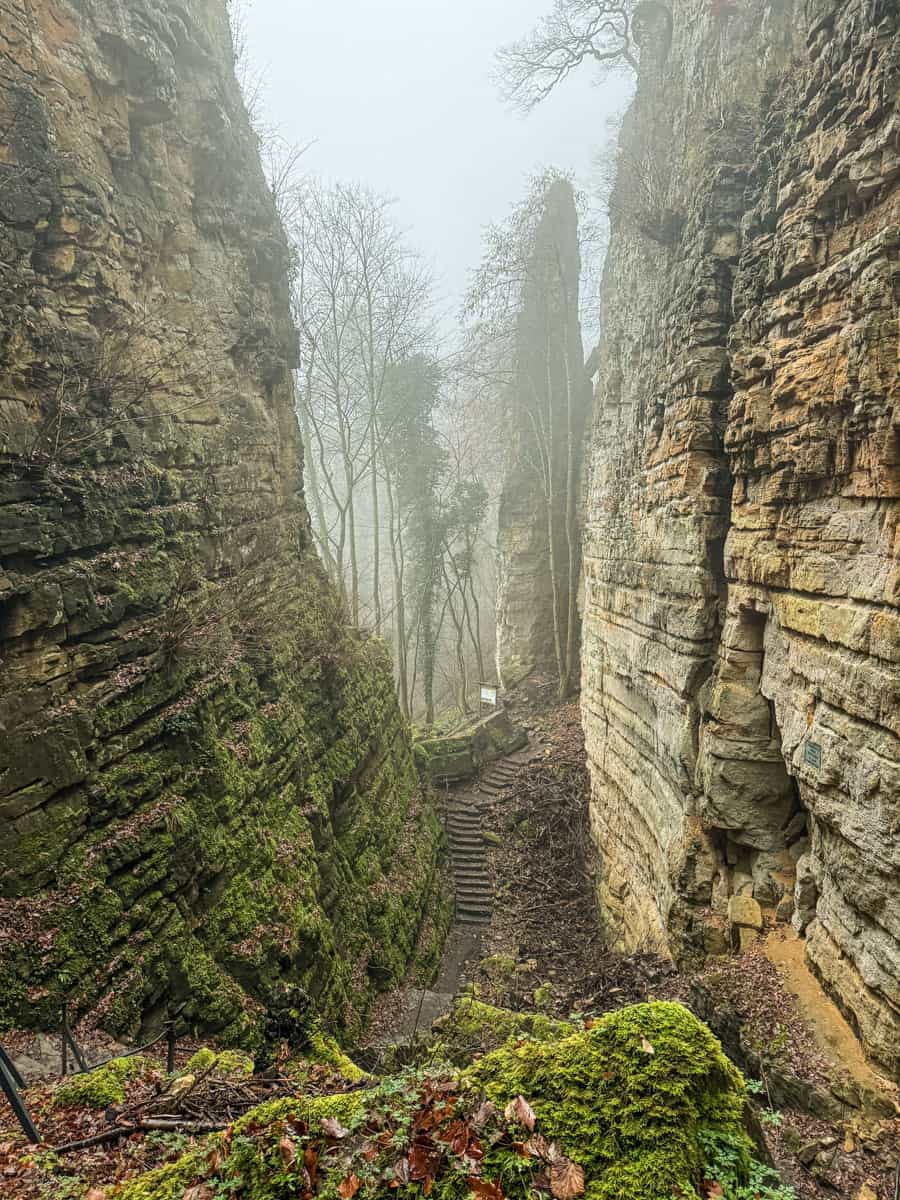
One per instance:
[(206, 790), (548, 405), (742, 639)]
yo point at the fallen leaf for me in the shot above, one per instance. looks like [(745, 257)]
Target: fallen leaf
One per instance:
[(483, 1114), (520, 1110), (401, 1171), (714, 1191), (349, 1187), (428, 1185), (95, 1194), (332, 1128), (200, 1191), (646, 1046), (424, 1156), (456, 1135), (311, 1161), (485, 1189), (538, 1147), (288, 1152), (214, 1160), (566, 1178)]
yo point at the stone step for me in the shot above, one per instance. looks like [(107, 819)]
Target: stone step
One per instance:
[(473, 916), (467, 822), (470, 871), (466, 841)]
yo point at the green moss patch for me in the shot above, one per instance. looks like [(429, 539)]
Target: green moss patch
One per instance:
[(474, 1028), (641, 1106), (226, 1064), (325, 1050), (102, 1087)]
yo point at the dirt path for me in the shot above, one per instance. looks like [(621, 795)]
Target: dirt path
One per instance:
[(786, 950)]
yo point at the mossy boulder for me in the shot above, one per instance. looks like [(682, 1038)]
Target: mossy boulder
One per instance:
[(474, 1028), (325, 1050), (101, 1087), (463, 753), (643, 1103), (225, 1064)]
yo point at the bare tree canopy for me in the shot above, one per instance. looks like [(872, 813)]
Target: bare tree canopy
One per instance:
[(573, 31)]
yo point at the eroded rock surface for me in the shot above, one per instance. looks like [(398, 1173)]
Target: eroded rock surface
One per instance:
[(741, 639), (548, 402), (206, 791)]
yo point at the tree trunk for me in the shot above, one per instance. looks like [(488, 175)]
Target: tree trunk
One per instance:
[(318, 506), (376, 531), (349, 483), (399, 602)]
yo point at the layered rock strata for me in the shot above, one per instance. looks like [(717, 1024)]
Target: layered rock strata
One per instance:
[(548, 404), (741, 638), (207, 794)]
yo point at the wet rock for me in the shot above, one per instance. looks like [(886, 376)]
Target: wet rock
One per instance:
[(160, 775), (746, 921), (805, 894), (740, 688)]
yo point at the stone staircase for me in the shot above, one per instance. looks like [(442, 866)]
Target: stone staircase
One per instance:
[(474, 893), (498, 777)]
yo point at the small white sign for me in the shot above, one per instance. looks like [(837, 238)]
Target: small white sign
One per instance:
[(488, 695)]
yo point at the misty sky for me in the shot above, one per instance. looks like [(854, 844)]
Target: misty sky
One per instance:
[(398, 94)]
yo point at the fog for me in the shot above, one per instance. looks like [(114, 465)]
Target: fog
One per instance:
[(398, 95), (411, 414)]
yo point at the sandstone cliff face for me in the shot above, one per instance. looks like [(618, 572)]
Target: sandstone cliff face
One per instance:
[(206, 790), (741, 639), (549, 400)]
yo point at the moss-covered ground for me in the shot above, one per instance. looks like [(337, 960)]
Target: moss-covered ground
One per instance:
[(643, 1105)]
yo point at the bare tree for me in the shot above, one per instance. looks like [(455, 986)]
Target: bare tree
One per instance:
[(574, 31), (361, 305)]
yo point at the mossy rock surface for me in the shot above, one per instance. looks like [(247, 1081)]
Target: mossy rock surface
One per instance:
[(101, 1087), (474, 1028), (638, 1102)]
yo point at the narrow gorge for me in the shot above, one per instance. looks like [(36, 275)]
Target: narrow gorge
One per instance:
[(420, 733)]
